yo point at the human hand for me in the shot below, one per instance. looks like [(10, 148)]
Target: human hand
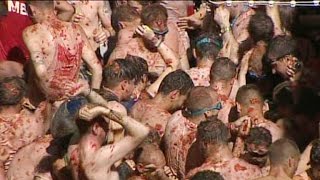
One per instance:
[(147, 33), (239, 121), (88, 114), (190, 22), (100, 35), (221, 16), (245, 128), (78, 17)]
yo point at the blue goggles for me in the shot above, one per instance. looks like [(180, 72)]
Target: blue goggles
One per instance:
[(255, 76), (198, 112)]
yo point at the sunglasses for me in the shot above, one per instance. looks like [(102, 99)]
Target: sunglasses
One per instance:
[(198, 112)]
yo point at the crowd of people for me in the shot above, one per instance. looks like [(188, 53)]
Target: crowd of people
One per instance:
[(159, 89)]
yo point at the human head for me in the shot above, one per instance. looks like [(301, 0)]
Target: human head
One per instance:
[(223, 71), (260, 27), (281, 53), (138, 5), (207, 175), (284, 153), (12, 91), (201, 103), (155, 17), (207, 47), (97, 127), (142, 72), (39, 9), (315, 159), (149, 153), (125, 16), (257, 144), (211, 135), (249, 99), (120, 76), (175, 88)]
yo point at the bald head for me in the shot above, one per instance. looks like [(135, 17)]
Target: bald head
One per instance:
[(284, 153), (11, 69), (201, 100)]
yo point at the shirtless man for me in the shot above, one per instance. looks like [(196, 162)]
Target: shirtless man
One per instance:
[(212, 137), (95, 19), (56, 49), (206, 49), (223, 81), (19, 124), (125, 21), (172, 93), (92, 159), (183, 124), (250, 103), (313, 172), (150, 46), (284, 158)]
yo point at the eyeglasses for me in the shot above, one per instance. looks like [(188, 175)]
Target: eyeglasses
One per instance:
[(198, 112)]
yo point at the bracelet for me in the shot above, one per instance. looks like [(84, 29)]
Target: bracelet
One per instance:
[(158, 43), (224, 30)]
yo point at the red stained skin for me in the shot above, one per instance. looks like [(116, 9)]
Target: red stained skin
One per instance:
[(254, 101), (250, 109), (238, 167)]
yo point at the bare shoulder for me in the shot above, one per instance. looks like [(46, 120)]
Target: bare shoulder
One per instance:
[(30, 31)]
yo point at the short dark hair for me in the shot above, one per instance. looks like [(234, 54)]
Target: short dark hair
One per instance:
[(119, 70), (207, 175), (281, 150), (152, 13), (12, 90), (249, 94), (176, 80), (223, 69), (140, 64), (261, 27), (207, 45), (123, 13), (213, 131), (259, 136), (280, 46), (315, 152)]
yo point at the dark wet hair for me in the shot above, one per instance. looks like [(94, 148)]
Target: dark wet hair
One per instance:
[(152, 13), (223, 69), (259, 136), (176, 80), (213, 131), (315, 152), (12, 90), (261, 27), (118, 71), (280, 46), (208, 45), (207, 175), (140, 65)]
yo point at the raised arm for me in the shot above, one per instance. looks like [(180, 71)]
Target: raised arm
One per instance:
[(64, 10), (135, 131), (31, 37), (230, 45), (92, 61), (104, 13), (274, 14)]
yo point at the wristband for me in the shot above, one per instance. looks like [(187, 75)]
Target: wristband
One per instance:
[(225, 29)]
